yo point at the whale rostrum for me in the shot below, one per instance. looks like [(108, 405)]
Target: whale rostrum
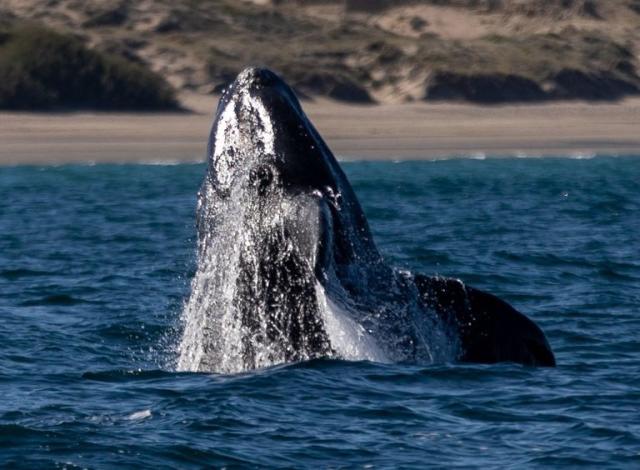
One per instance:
[(288, 269)]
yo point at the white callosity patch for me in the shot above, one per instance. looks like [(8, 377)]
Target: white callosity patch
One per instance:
[(243, 126), (226, 131)]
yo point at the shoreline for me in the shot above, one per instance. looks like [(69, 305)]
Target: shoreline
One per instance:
[(418, 131)]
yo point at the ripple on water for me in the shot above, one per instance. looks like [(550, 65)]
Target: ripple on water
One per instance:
[(95, 263)]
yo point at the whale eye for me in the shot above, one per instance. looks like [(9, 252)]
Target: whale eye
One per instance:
[(261, 178)]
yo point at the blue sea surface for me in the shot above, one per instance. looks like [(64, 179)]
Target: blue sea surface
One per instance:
[(95, 265)]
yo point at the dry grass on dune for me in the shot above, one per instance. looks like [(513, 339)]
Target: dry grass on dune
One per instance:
[(486, 51)]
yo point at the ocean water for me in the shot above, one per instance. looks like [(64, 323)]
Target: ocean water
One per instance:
[(95, 265)]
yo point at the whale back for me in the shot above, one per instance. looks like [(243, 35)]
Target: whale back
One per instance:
[(489, 329)]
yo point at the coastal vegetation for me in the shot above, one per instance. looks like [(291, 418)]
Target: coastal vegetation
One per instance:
[(485, 51), (43, 69)]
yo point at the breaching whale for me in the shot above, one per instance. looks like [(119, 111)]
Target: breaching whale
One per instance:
[(288, 270)]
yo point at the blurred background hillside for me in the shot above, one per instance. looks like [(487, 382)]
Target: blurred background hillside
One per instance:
[(124, 54)]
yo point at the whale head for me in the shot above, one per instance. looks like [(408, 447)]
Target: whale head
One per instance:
[(263, 148), (277, 220), (261, 137)]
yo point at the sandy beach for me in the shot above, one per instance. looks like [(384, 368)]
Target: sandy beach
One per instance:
[(398, 132)]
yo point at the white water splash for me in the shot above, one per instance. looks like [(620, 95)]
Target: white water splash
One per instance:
[(348, 338), (208, 317), (139, 415), (255, 300)]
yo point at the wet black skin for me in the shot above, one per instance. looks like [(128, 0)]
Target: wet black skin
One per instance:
[(489, 329), (305, 162)]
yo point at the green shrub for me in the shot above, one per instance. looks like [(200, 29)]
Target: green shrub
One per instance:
[(42, 69)]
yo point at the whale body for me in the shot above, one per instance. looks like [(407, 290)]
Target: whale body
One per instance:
[(288, 269)]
